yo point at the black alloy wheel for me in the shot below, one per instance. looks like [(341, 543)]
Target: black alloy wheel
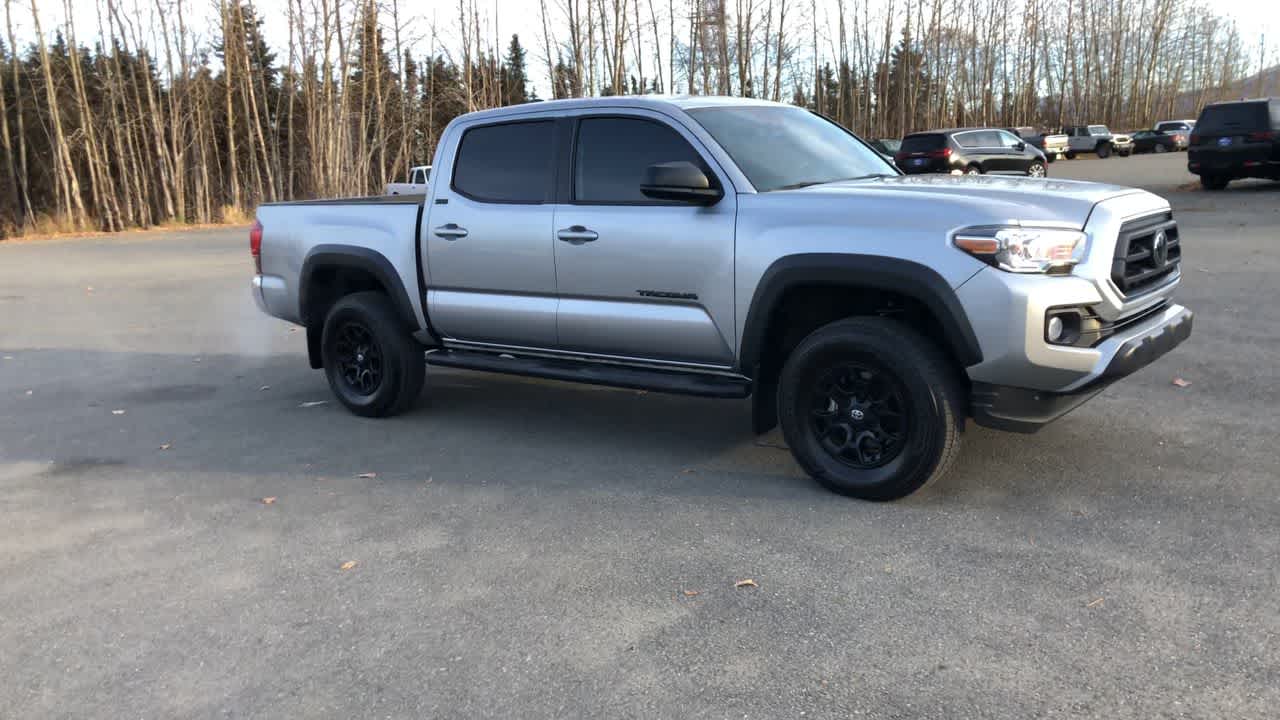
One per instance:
[(360, 361), (860, 414)]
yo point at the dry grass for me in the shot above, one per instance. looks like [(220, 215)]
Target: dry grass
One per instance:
[(57, 227)]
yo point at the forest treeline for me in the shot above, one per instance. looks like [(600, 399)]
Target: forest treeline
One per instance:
[(167, 111)]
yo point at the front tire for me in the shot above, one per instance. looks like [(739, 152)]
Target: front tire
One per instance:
[(374, 366), (1160, 148), (1214, 182), (870, 408), (1036, 169), (1104, 151), (973, 170)]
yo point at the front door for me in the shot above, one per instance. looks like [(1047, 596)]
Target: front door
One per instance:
[(640, 278), (488, 237)]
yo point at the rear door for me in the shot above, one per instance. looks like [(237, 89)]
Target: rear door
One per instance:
[(490, 264), (641, 278)]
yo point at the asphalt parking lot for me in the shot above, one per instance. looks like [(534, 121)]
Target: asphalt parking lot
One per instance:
[(530, 549)]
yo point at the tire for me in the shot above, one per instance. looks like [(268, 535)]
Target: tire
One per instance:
[(1214, 182), (1051, 158), (1037, 169), (1103, 151), (1158, 148), (827, 403), (374, 366), (1071, 154), (973, 170), (1124, 153)]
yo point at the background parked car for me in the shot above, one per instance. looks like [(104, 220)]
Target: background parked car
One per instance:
[(1088, 139), (1153, 141), (971, 151), (419, 176), (887, 146), (1236, 140), (1180, 130)]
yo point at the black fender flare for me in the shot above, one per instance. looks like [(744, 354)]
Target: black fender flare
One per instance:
[(359, 258), (904, 277)]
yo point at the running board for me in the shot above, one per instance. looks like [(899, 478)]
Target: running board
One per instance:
[(593, 373)]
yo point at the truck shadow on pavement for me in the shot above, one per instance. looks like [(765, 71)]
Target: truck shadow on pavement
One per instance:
[(268, 415)]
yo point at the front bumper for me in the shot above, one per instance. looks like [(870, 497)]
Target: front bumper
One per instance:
[(1021, 409)]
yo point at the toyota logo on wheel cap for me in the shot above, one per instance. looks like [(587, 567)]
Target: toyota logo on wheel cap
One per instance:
[(1160, 249)]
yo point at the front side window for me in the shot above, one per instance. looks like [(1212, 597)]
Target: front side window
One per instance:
[(1009, 140), (780, 147), (508, 163), (612, 155)]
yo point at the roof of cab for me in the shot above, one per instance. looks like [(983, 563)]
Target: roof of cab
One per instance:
[(655, 102)]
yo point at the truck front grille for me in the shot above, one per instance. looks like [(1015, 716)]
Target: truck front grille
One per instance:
[(1147, 253)]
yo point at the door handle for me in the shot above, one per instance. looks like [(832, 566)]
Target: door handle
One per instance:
[(577, 235), (451, 231)]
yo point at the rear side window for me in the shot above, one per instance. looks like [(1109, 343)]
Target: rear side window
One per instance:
[(613, 153), (1234, 116), (923, 143), (510, 163)]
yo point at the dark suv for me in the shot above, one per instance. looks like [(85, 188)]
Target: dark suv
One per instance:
[(971, 151), (1234, 140)]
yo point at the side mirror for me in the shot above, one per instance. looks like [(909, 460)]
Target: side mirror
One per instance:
[(1020, 146), (681, 181)]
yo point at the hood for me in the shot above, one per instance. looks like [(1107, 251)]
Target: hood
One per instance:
[(979, 199)]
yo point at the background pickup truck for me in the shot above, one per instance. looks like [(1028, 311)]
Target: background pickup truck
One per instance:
[(1054, 147), (417, 185), (1089, 139), (733, 248)]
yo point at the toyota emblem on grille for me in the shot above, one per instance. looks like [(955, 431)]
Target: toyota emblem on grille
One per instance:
[(1160, 249)]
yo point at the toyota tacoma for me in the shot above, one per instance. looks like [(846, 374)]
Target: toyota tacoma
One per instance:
[(733, 248)]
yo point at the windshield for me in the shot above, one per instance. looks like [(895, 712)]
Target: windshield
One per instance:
[(780, 147)]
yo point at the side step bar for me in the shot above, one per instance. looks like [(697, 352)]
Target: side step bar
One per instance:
[(623, 376)]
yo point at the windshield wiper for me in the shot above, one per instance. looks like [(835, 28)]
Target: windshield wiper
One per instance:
[(810, 183)]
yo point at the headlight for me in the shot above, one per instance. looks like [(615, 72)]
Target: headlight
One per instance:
[(1024, 249)]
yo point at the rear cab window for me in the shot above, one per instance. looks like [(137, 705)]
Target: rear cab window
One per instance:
[(1099, 130), (923, 143), (1233, 117), (507, 163)]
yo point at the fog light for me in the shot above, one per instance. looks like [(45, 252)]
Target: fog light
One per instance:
[(1054, 330)]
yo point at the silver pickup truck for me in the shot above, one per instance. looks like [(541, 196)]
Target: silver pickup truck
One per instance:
[(730, 248)]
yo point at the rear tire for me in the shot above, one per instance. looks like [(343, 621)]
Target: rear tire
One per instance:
[(973, 170), (1159, 148), (1214, 182), (870, 408), (1103, 151), (1071, 155), (374, 366)]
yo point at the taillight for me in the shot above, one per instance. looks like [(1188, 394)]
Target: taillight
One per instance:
[(1195, 139), (1262, 136), (943, 153), (255, 245)]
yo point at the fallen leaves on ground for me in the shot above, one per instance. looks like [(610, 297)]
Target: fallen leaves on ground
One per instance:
[(1181, 383), (347, 565), (314, 403), (264, 387), (117, 412), (31, 392), (691, 593), (367, 475), (269, 500), (8, 357), (166, 446), (746, 583), (1095, 603)]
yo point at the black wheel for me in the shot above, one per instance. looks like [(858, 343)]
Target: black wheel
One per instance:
[(1071, 155), (1104, 151), (1214, 182), (973, 170), (870, 408), (1036, 169), (1160, 148), (373, 364)]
